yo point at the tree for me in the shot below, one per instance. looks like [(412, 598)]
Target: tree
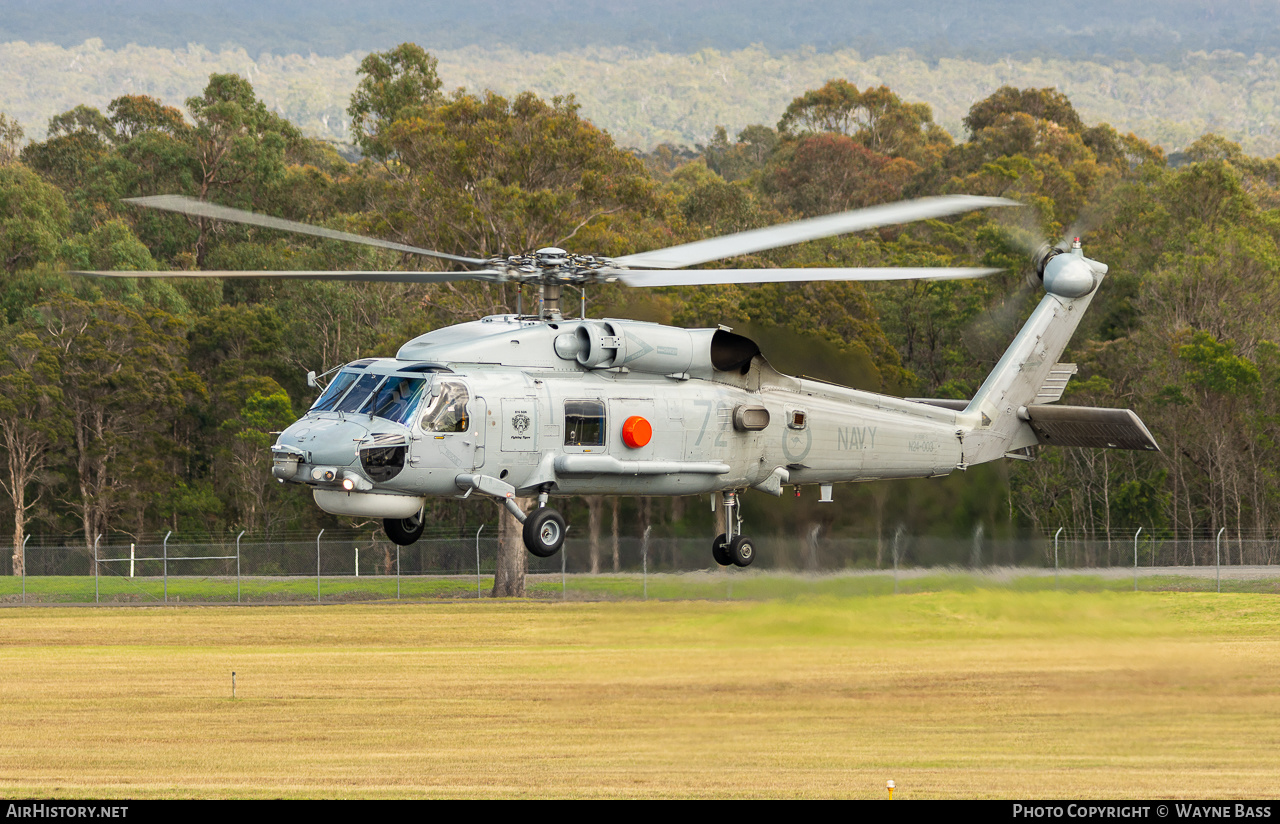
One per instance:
[(33, 219), (487, 175), (245, 456), (394, 85), (123, 382), (756, 144), (1041, 104), (82, 119), (31, 426), (877, 118), (821, 174), (512, 561), (11, 136), (238, 145), (134, 114)]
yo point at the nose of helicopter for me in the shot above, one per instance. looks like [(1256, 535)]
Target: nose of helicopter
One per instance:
[(328, 441)]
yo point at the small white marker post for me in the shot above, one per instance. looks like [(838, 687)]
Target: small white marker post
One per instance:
[(495, 571), (1135, 558), (889, 785), (357, 562), (130, 560)]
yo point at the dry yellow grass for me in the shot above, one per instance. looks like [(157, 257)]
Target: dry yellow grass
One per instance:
[(980, 694)]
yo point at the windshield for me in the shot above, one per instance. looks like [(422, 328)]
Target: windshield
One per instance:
[(340, 384), (397, 398), (354, 400), (448, 409)]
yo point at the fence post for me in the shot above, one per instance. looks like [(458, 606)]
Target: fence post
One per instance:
[(478, 531), (166, 565), (644, 555), (238, 537), (318, 565), (564, 589), (397, 572), (1055, 556), (24, 567), (1218, 557), (95, 567), (1135, 558), (897, 534)]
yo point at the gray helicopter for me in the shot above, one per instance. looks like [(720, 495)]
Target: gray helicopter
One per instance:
[(525, 405)]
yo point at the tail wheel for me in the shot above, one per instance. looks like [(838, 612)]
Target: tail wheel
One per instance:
[(544, 532), (742, 551), (720, 550), (404, 531)]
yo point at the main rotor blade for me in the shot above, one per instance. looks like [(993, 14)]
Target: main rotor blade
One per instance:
[(700, 277), (201, 208), (386, 277), (756, 240)]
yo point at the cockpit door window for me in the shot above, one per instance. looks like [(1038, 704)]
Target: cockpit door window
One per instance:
[(448, 409), (583, 423)]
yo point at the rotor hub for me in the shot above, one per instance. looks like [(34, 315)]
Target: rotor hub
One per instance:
[(554, 266)]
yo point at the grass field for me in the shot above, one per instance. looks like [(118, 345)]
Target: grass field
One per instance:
[(979, 693), (726, 584)]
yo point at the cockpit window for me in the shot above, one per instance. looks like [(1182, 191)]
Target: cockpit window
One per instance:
[(397, 398), (354, 400), (340, 384), (448, 409)]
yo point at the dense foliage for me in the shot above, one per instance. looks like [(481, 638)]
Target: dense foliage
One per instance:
[(135, 407)]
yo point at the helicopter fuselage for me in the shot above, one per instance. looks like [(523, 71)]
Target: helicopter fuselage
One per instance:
[(585, 407)]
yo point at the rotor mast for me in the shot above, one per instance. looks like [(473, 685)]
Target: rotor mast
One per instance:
[(549, 300)]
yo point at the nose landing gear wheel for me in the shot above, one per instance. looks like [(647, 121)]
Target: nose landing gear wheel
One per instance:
[(742, 551), (404, 531), (544, 532), (720, 550)]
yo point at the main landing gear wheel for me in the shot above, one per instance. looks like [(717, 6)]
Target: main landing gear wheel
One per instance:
[(404, 531), (544, 532), (742, 551), (720, 550)]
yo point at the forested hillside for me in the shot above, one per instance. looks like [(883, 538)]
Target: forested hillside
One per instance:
[(140, 406), (644, 98), (1153, 30)]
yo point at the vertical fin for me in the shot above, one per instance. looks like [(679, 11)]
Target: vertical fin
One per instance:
[(993, 423)]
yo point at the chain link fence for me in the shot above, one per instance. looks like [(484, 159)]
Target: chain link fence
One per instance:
[(333, 566)]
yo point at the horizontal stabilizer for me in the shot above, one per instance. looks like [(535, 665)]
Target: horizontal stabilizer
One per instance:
[(1089, 426)]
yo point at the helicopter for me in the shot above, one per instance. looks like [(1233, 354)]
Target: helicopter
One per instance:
[(522, 405)]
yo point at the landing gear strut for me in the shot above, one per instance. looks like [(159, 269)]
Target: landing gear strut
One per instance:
[(729, 548), (544, 528)]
